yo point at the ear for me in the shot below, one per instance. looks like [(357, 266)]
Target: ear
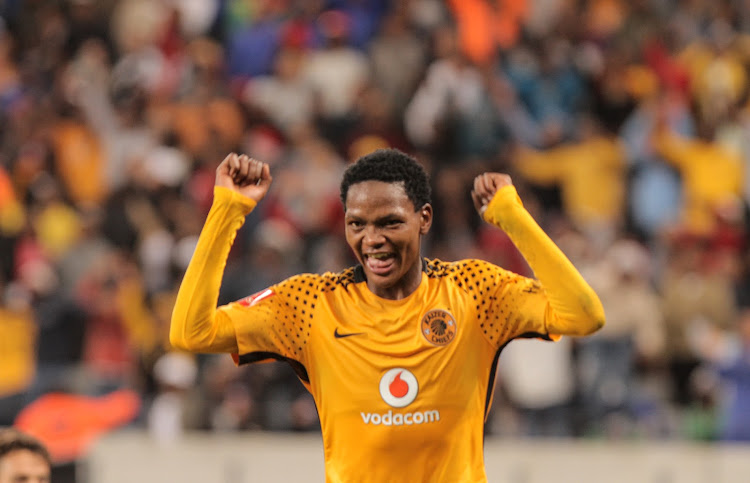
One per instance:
[(425, 219)]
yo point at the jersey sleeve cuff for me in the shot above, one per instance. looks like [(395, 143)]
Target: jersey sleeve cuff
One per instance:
[(226, 196), (505, 202)]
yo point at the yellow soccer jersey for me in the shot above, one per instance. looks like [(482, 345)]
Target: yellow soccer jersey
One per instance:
[(402, 386)]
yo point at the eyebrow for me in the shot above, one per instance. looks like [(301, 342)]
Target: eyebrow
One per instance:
[(381, 219)]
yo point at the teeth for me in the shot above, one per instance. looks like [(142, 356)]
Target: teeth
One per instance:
[(380, 256)]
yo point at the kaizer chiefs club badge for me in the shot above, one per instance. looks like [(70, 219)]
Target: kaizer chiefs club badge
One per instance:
[(439, 327)]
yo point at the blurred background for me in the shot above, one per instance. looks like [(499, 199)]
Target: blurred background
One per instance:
[(625, 125)]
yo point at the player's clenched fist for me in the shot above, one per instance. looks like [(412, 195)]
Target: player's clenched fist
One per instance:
[(485, 187), (244, 175)]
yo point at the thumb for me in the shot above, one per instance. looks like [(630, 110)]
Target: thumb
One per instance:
[(265, 177)]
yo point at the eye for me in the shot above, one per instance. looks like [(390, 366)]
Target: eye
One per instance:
[(355, 224)]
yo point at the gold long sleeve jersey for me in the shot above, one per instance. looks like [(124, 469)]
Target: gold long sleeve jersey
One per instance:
[(402, 387)]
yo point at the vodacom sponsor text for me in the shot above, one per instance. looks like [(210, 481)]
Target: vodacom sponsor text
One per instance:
[(390, 418)]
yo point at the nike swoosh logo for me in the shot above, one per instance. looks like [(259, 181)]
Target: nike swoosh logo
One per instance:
[(339, 335)]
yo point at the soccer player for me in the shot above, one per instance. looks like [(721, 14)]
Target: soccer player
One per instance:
[(400, 351), (23, 458)]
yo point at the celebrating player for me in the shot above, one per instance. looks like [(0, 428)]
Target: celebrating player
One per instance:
[(400, 351)]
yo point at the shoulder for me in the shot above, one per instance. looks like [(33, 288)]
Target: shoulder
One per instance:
[(470, 274), (471, 266), (325, 282), (341, 280)]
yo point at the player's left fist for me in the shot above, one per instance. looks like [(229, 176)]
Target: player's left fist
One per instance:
[(485, 187)]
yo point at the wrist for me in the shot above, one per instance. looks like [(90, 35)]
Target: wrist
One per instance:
[(505, 202), (224, 195)]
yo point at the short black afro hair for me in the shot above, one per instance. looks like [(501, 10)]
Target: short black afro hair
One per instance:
[(390, 166)]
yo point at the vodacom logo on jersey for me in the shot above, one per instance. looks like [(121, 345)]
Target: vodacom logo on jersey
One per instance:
[(399, 388)]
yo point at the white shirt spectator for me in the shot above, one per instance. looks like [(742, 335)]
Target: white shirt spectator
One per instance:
[(337, 75)]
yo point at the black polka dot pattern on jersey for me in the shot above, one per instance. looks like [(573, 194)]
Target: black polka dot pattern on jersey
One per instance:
[(300, 296), (483, 282)]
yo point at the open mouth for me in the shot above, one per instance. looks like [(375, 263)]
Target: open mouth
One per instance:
[(380, 263)]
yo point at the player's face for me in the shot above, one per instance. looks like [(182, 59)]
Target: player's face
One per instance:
[(24, 466), (384, 231)]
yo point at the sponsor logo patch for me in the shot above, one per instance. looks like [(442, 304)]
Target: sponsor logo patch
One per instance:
[(438, 327), (401, 419), (398, 387)]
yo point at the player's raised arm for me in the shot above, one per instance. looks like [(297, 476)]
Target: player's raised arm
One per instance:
[(575, 307), (241, 182)]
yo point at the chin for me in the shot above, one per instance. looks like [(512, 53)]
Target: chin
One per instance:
[(383, 281)]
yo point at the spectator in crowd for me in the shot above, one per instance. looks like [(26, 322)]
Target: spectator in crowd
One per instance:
[(596, 159), (18, 339), (697, 298), (634, 337), (337, 73), (734, 370), (539, 383), (712, 174), (23, 458)]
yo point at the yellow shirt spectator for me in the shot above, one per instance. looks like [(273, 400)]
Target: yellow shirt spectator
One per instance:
[(17, 342), (717, 78), (12, 214), (591, 176), (711, 174), (80, 161)]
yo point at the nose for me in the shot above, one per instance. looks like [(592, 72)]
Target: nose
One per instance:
[(374, 236)]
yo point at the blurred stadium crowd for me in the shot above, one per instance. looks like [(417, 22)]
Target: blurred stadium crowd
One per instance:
[(624, 123)]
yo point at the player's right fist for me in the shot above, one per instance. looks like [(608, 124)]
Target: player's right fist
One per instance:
[(244, 175)]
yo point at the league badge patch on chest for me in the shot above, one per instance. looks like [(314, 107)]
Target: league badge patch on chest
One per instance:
[(439, 327)]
